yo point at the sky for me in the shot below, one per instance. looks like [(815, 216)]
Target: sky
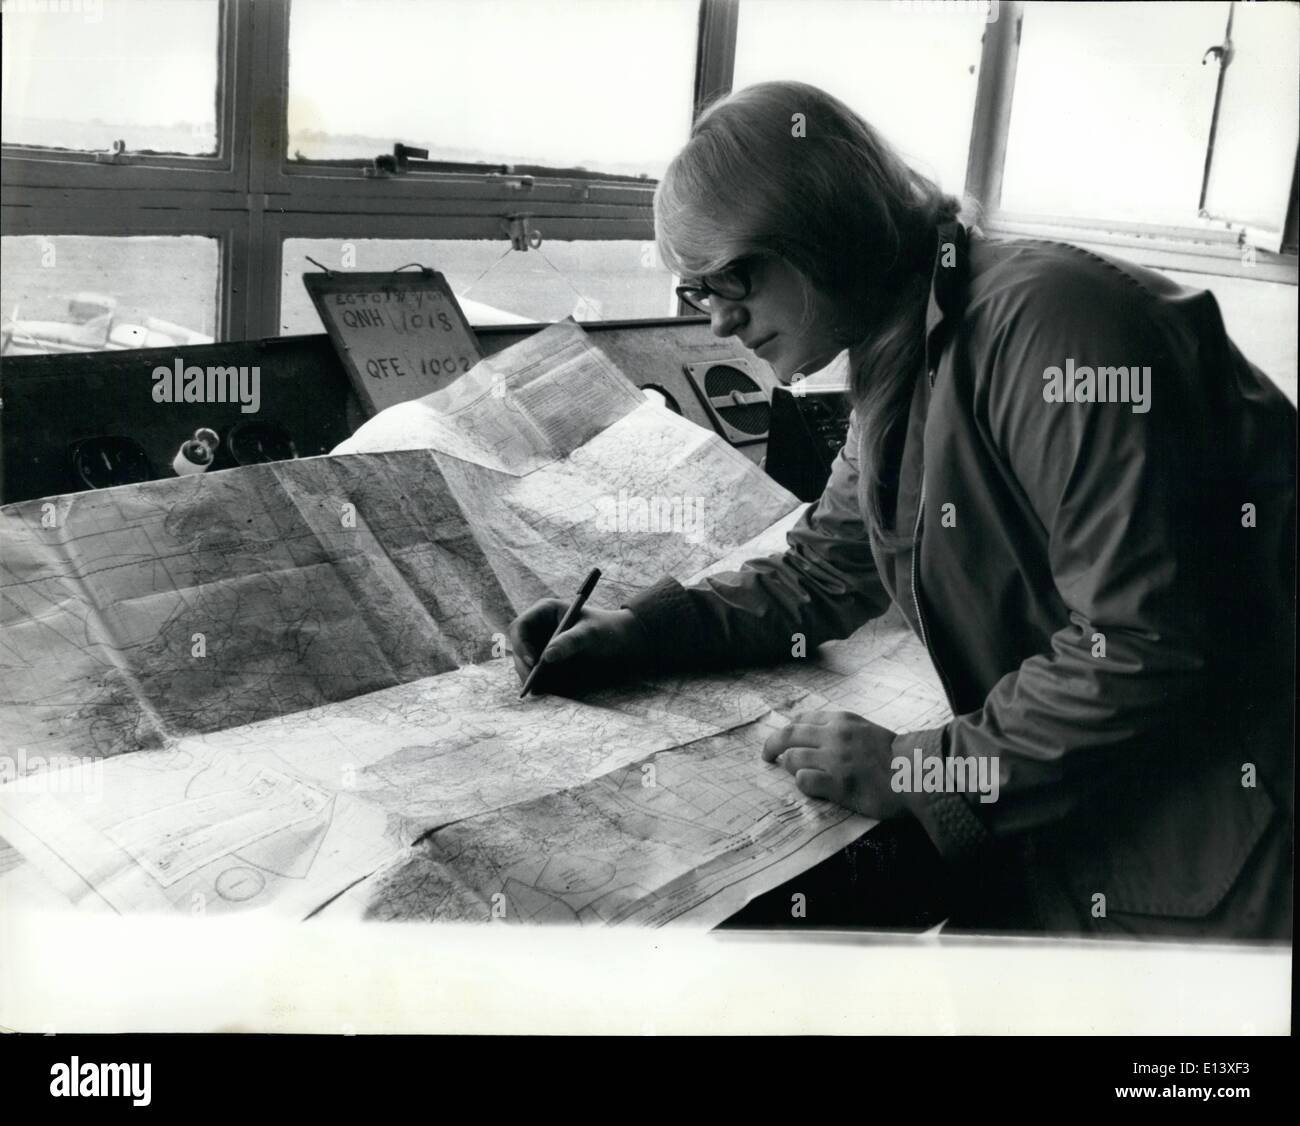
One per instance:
[(592, 82), (140, 61)]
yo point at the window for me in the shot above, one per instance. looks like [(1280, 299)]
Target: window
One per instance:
[(81, 76), (66, 293), (616, 279), (574, 158), (593, 85), (1159, 114), (909, 69), (1112, 110), (250, 133), (1256, 130)]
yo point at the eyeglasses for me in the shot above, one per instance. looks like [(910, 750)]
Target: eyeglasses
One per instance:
[(733, 283)]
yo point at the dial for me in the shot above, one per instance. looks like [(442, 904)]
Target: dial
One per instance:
[(101, 463), (256, 441)]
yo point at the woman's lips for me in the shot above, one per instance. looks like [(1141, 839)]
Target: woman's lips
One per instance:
[(757, 349)]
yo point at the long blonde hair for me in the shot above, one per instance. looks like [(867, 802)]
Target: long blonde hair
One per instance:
[(784, 168)]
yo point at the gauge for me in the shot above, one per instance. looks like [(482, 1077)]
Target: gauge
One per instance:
[(256, 441), (101, 463)]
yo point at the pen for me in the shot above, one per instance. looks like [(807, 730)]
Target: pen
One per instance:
[(575, 608)]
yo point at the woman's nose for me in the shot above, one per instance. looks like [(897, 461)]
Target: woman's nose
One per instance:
[(725, 317)]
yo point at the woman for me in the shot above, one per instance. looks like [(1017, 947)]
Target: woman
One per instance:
[(1076, 489)]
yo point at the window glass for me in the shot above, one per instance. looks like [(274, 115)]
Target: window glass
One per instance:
[(82, 74), (561, 83), (910, 69), (1112, 108), (1255, 142), (75, 293), (592, 280)]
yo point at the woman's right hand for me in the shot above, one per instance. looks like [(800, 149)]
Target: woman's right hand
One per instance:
[(601, 648)]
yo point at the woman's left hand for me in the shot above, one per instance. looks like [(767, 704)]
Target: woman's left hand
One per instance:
[(840, 757)]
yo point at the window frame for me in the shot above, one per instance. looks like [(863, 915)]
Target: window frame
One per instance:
[(250, 197), (230, 235), (35, 166), (323, 185), (1211, 247), (346, 225)]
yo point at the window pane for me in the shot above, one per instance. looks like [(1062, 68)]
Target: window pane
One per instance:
[(563, 83), (139, 71), (1112, 109), (910, 69), (75, 293), (595, 280), (1255, 143)]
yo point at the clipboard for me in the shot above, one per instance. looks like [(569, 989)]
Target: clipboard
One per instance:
[(399, 335)]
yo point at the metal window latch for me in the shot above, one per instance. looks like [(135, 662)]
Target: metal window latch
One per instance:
[(1222, 53), (391, 164), (116, 154), (521, 236), (515, 181)]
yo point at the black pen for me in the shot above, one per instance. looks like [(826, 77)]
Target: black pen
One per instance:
[(570, 615)]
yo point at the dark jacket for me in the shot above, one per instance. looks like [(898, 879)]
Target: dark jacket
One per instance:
[(1106, 594)]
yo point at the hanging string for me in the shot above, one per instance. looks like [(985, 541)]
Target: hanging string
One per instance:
[(491, 265), (590, 302), (581, 296)]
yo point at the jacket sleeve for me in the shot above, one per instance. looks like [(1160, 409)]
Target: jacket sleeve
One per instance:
[(823, 587), (1130, 522)]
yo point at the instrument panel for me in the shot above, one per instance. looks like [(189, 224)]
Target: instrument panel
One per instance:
[(90, 420)]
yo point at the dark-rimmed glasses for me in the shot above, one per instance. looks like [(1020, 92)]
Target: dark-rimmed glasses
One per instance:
[(732, 283)]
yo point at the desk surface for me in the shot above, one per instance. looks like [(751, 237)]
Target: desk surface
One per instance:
[(296, 676)]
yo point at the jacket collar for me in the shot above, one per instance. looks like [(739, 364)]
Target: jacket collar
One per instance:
[(947, 281)]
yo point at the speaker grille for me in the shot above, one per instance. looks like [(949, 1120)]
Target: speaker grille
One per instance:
[(748, 418)]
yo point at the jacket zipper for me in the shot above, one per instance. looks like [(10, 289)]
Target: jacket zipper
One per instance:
[(916, 579), (916, 550)]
